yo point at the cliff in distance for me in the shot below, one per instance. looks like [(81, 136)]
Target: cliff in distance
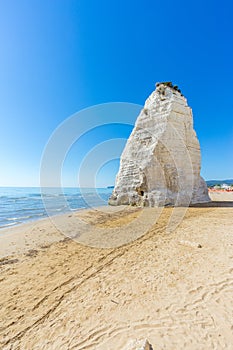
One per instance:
[(160, 164)]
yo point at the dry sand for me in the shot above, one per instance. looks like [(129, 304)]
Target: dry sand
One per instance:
[(174, 289)]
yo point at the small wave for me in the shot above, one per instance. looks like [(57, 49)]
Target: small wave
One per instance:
[(11, 219), (28, 209), (20, 218), (59, 209), (10, 224), (17, 198), (74, 209), (50, 195), (72, 195), (25, 217)]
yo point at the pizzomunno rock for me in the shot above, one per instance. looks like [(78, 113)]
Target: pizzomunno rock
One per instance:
[(160, 164)]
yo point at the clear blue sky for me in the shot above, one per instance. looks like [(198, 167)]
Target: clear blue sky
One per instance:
[(57, 57)]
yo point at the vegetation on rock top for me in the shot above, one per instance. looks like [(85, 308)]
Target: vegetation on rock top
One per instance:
[(169, 84)]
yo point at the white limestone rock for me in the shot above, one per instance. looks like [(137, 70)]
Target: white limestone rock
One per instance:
[(160, 164)]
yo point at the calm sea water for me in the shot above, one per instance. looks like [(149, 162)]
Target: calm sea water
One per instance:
[(19, 204)]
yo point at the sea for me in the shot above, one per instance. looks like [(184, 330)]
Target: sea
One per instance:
[(23, 204)]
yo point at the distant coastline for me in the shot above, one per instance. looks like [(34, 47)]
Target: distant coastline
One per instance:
[(220, 182)]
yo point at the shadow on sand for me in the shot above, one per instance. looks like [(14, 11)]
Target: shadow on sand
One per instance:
[(213, 204)]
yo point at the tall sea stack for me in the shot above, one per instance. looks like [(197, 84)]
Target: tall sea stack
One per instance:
[(160, 164)]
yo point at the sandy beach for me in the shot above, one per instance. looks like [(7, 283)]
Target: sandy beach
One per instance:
[(173, 289)]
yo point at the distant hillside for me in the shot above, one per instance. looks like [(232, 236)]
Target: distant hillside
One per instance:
[(220, 182)]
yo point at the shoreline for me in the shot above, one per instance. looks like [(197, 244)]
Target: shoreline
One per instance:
[(4, 229), (22, 205), (31, 235), (35, 219), (213, 194)]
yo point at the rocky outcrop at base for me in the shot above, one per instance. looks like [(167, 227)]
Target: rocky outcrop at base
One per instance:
[(139, 345)]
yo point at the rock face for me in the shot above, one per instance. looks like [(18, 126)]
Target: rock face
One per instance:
[(160, 164)]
